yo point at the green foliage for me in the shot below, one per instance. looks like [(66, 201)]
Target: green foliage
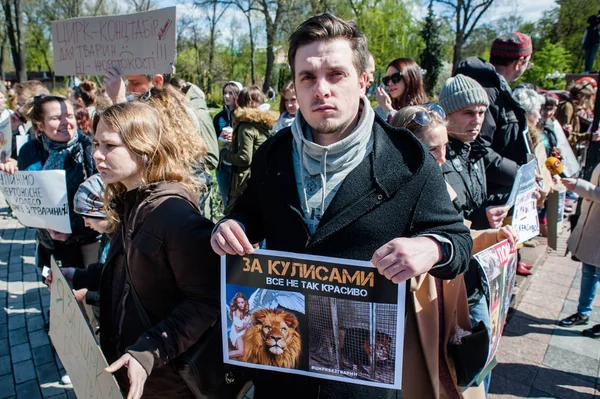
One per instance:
[(550, 63), (572, 21), (430, 58)]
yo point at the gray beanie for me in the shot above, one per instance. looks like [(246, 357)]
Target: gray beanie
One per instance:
[(88, 198), (460, 92)]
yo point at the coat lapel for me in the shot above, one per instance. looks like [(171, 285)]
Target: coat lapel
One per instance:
[(280, 170)]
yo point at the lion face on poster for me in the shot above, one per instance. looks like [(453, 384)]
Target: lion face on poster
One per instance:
[(272, 340)]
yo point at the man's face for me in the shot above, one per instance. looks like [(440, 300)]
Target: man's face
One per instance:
[(328, 87), (370, 71), (138, 83), (522, 66), (465, 124)]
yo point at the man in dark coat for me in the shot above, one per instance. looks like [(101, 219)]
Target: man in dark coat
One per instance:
[(341, 182), (504, 129)]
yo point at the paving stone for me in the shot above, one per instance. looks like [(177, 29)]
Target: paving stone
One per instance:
[(7, 386), (38, 338), (29, 390), (522, 326), (47, 373), (549, 277), (24, 371), (20, 352), (535, 393), (35, 323), (538, 313), (3, 331), (5, 365), (520, 349), (4, 347), (581, 366), (43, 355), (541, 300), (575, 342), (31, 297), (550, 289), (16, 321), (501, 385), (17, 337), (563, 385), (61, 395), (71, 394)]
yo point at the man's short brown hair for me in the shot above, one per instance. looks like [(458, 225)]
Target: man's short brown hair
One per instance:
[(329, 27)]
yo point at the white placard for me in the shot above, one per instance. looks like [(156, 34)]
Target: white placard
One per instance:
[(38, 199), (21, 139), (570, 164), (525, 217), (141, 43), (5, 136)]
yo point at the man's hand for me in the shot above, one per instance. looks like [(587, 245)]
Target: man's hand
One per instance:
[(403, 258), (596, 135), (57, 236), (114, 86), (507, 232), (496, 214), (229, 238), (569, 183), (136, 373), (568, 129), (10, 166)]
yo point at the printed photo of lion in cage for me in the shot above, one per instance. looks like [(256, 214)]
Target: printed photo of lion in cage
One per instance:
[(358, 339)]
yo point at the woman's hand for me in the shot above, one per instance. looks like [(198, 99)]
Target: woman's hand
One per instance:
[(58, 236), (383, 99), (80, 294), (568, 129), (136, 373), (10, 166), (569, 183)]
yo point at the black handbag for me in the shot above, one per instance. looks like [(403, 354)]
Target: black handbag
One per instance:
[(471, 355), (201, 366)]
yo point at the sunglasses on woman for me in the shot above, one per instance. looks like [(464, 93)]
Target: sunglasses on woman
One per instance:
[(423, 118), (395, 78)]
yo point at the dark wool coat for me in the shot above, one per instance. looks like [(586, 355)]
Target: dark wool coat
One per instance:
[(176, 276), (33, 156), (503, 127), (397, 191)]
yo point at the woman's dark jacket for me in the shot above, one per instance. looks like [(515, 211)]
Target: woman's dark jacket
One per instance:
[(176, 276), (503, 129), (222, 119), (33, 156)]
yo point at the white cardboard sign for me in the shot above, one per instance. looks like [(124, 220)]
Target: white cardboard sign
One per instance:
[(38, 199), (75, 344), (141, 43)]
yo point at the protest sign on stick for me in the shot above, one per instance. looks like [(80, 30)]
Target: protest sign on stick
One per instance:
[(570, 163), (355, 317), (141, 43), (38, 199), (75, 344)]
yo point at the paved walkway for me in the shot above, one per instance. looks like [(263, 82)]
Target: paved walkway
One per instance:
[(537, 358), (29, 368)]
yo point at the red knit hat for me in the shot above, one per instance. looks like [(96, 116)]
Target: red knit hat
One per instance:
[(512, 45)]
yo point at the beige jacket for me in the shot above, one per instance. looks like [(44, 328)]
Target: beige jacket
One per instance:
[(583, 242)]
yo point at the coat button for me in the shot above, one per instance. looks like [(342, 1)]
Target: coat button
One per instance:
[(380, 197)]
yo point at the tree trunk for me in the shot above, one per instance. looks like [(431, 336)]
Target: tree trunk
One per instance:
[(270, 54), (458, 46), (2, 52), (211, 48), (252, 61), (21, 37)]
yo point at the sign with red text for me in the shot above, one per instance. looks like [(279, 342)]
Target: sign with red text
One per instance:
[(75, 344), (136, 44)]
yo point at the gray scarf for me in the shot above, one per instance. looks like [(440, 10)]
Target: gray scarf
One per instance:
[(322, 169), (58, 152)]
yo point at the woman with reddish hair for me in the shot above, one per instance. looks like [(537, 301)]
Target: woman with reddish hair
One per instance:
[(405, 87)]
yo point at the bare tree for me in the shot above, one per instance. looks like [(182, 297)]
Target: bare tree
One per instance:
[(16, 36), (215, 9), (142, 5), (467, 14), (272, 11), (246, 6)]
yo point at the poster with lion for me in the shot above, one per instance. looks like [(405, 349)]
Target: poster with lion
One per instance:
[(323, 317), (498, 265)]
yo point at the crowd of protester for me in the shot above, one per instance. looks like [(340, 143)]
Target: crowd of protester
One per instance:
[(144, 244)]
